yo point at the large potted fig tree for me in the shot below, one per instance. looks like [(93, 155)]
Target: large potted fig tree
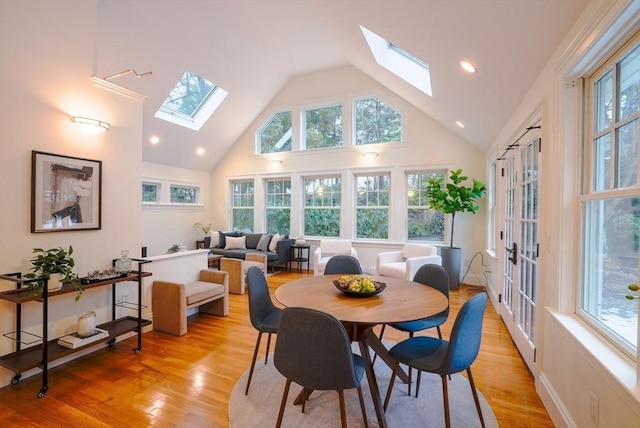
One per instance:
[(451, 198)]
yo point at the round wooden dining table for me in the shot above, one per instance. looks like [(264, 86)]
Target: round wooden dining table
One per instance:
[(400, 301)]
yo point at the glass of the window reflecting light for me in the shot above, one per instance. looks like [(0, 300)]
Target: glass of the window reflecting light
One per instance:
[(610, 264)]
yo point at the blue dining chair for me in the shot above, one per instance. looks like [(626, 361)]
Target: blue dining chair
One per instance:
[(304, 338), (265, 316), (342, 263), (428, 354), (434, 276)]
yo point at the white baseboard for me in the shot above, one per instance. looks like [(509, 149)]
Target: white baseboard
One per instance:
[(557, 412)]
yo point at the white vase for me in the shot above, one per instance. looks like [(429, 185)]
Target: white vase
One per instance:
[(86, 323), (55, 282)]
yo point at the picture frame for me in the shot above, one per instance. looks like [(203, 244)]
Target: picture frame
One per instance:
[(66, 193)]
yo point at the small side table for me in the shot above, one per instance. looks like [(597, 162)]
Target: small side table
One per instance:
[(300, 255), (214, 260)]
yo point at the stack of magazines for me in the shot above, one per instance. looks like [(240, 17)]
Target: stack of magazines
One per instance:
[(74, 340)]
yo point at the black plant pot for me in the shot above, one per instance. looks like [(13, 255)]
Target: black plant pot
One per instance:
[(451, 260)]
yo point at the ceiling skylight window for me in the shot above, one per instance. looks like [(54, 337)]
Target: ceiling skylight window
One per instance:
[(191, 102), (398, 61)]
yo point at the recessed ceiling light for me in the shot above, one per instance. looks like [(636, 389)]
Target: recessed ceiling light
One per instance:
[(460, 124), (467, 66), (154, 140), (200, 151)]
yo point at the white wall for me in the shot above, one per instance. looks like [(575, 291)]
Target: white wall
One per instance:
[(574, 365), (165, 225), (426, 144), (46, 60)]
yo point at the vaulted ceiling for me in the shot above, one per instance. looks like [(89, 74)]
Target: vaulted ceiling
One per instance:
[(253, 48)]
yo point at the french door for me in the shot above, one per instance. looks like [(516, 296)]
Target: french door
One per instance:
[(520, 238)]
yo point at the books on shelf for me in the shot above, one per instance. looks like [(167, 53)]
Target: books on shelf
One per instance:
[(74, 340)]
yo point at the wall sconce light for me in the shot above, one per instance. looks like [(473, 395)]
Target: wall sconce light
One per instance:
[(90, 126), (371, 155)]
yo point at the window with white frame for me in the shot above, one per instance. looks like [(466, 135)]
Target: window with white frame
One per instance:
[(242, 205), (423, 223), (165, 192), (278, 206), (323, 127), (275, 135), (372, 206), (376, 122), (491, 207), (180, 194), (151, 192), (610, 200), (322, 201)]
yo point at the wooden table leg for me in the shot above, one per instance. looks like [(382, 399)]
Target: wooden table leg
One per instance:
[(383, 353), (373, 383)]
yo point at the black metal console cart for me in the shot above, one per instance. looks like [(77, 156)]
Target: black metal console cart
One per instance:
[(41, 354)]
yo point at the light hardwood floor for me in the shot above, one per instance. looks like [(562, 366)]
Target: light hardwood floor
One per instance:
[(186, 381)]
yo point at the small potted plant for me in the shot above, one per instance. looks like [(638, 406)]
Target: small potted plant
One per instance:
[(451, 198), (55, 264), (173, 249)]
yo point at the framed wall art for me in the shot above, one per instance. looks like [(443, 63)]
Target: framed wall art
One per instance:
[(66, 193)]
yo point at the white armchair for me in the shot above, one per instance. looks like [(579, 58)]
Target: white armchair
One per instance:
[(329, 248), (406, 262)]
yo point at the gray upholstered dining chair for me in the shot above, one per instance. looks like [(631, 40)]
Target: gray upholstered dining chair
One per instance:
[(265, 316), (444, 357), (342, 263), (301, 356)]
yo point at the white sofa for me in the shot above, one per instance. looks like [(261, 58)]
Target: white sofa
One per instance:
[(329, 248), (406, 262)]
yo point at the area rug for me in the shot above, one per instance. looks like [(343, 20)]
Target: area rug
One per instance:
[(260, 408)]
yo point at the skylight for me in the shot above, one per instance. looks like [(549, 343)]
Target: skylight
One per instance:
[(191, 102), (398, 61)]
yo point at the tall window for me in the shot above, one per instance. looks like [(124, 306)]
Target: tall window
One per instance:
[(322, 206), (243, 202), (491, 207), (376, 122), (275, 136), (372, 208), (323, 127), (610, 202), (278, 211), (423, 223)]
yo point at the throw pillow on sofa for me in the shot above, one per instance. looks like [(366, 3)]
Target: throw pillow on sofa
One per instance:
[(214, 239), (222, 242), (263, 243), (273, 245), (236, 243)]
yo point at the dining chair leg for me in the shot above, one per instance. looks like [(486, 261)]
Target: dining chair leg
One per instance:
[(475, 396), (393, 378), (343, 412), (445, 396), (253, 362), (283, 403), (418, 382), (266, 355), (439, 332), (305, 397), (364, 412), (410, 374)]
